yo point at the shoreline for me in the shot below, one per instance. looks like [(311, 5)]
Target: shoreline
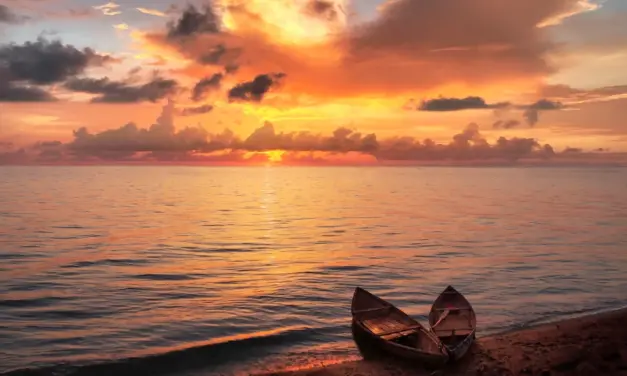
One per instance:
[(587, 345)]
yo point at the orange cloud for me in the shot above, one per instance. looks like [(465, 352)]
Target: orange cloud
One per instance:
[(152, 12), (413, 46)]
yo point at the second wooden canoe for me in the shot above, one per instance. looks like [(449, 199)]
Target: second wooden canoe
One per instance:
[(453, 320)]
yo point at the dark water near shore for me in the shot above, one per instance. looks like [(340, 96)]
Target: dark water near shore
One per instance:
[(202, 271)]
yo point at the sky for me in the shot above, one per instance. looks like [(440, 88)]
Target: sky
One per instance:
[(313, 81)]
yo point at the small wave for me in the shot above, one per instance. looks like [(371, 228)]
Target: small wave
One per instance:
[(34, 286), (19, 256), (376, 246), (30, 246), (72, 227), (342, 268), (223, 250), (205, 356), (77, 237), (166, 277), (64, 314), (450, 253), (30, 303), (521, 267), (112, 262)]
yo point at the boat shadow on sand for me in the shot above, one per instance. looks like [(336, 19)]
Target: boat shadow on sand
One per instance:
[(477, 361)]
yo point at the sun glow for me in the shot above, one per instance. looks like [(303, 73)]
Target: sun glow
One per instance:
[(286, 21), (267, 158)]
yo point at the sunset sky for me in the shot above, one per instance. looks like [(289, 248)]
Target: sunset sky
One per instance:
[(310, 81)]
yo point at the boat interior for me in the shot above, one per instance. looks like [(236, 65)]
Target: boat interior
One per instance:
[(391, 325), (452, 318)]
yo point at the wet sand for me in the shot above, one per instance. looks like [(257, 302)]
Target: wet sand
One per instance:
[(587, 346)]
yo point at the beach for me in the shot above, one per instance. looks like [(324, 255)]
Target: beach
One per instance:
[(586, 346)]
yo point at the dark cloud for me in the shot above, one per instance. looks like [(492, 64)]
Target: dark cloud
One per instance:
[(193, 22), (205, 85), (20, 92), (506, 124), (545, 104), (256, 89), (322, 8), (189, 111), (10, 92), (531, 112), (458, 104), (220, 54), (46, 62), (231, 68), (123, 91), (8, 16), (214, 56)]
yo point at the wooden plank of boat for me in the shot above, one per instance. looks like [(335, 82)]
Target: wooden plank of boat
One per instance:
[(380, 325), (453, 320)]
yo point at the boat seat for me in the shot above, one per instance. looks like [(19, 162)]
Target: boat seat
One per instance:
[(398, 331), (442, 317), (400, 334), (389, 328)]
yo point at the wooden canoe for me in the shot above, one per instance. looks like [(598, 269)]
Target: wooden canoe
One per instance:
[(453, 320), (380, 326)]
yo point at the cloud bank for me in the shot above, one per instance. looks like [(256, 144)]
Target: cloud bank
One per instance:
[(163, 142)]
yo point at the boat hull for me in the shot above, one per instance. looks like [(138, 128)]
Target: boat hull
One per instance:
[(371, 346), (459, 351)]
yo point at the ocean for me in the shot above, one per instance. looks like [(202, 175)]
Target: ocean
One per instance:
[(218, 270)]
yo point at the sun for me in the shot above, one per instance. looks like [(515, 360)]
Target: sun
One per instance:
[(275, 156)]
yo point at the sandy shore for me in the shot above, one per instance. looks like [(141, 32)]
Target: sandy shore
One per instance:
[(587, 346)]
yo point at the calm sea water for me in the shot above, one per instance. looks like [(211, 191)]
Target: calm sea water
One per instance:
[(201, 271)]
